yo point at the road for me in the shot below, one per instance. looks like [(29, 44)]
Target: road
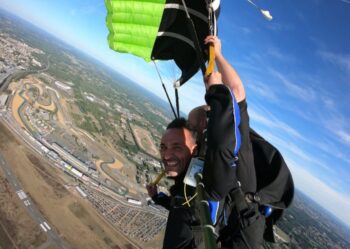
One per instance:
[(53, 237), (13, 72), (5, 75)]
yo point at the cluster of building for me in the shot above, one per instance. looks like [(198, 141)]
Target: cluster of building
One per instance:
[(39, 120), (64, 159), (127, 114), (134, 222), (17, 54), (93, 98), (65, 87)]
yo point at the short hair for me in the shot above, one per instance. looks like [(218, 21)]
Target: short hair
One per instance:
[(178, 123), (182, 123)]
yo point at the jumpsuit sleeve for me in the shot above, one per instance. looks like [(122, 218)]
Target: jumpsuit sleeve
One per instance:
[(223, 143), (245, 167), (162, 200)]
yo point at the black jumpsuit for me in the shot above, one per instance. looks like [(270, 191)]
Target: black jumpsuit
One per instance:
[(227, 139)]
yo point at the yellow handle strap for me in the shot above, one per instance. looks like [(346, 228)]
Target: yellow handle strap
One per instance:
[(187, 202), (159, 177), (211, 61)]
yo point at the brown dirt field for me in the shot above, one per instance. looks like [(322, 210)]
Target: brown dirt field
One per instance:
[(50, 108), (53, 108), (84, 133), (38, 85), (51, 247), (75, 220), (130, 183), (25, 96), (13, 86), (98, 163), (144, 140), (41, 90), (15, 222), (71, 107), (16, 103), (116, 165), (102, 172), (60, 118), (64, 108)]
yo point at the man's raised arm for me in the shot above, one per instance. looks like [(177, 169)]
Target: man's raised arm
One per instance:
[(229, 75)]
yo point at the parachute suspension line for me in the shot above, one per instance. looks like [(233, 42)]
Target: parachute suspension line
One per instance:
[(177, 102), (165, 90), (194, 36)]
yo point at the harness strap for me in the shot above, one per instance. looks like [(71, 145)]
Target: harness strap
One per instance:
[(246, 210)]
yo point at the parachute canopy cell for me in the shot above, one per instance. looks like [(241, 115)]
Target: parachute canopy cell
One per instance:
[(133, 25), (160, 30)]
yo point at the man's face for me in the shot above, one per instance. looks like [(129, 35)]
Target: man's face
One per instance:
[(176, 149)]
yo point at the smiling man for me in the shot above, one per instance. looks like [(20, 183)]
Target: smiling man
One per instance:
[(177, 147)]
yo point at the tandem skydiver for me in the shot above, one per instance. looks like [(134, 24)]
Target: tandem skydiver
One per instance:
[(227, 140), (229, 172)]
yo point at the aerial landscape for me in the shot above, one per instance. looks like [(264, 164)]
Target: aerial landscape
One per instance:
[(78, 143)]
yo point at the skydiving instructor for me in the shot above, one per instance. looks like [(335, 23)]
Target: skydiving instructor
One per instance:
[(228, 164)]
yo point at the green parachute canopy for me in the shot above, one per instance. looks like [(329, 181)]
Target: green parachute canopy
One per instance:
[(160, 30), (133, 25)]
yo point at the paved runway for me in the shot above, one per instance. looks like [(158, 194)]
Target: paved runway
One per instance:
[(53, 237)]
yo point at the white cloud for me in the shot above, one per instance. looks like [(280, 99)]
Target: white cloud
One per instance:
[(279, 26), (263, 90), (340, 60), (276, 53), (329, 147), (304, 93), (293, 150), (266, 118), (335, 123), (343, 135), (245, 30), (328, 102)]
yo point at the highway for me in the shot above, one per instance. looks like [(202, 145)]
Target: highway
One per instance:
[(13, 72), (53, 237), (6, 78), (5, 75)]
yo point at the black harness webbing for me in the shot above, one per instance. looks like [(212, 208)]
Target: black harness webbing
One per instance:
[(177, 102)]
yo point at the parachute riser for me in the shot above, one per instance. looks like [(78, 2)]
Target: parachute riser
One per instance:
[(177, 102)]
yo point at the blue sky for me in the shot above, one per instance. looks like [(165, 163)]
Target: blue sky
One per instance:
[(296, 70)]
